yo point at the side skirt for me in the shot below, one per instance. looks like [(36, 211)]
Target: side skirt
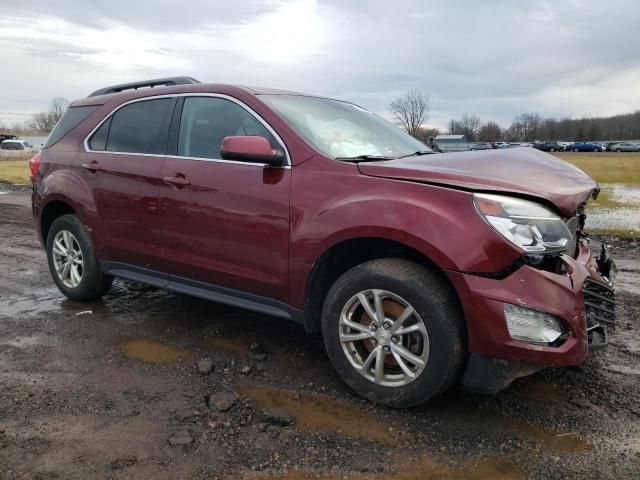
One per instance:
[(203, 290)]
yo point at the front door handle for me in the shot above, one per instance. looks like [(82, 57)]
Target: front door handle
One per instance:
[(178, 181), (93, 167)]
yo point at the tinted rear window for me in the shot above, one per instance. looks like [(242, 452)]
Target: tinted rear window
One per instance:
[(70, 120), (141, 127)]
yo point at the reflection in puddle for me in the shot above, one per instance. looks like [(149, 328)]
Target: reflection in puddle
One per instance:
[(315, 412), (150, 351)]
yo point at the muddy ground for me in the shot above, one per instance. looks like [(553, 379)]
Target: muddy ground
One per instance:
[(111, 389)]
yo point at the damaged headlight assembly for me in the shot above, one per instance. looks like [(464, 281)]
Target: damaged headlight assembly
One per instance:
[(530, 226)]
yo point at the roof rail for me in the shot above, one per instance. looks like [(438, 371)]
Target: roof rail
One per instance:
[(158, 82)]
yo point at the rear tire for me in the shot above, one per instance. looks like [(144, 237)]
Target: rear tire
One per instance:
[(73, 262), (418, 339), (618, 150), (596, 150), (575, 150)]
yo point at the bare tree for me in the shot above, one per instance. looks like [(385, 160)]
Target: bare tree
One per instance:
[(411, 110), (490, 132), (45, 121)]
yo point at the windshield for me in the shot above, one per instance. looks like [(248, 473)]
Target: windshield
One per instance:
[(341, 129)]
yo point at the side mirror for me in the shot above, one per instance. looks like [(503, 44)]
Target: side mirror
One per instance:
[(251, 149)]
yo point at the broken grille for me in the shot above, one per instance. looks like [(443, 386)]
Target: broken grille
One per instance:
[(599, 304)]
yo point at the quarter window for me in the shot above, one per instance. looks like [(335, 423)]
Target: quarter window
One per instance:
[(207, 120)]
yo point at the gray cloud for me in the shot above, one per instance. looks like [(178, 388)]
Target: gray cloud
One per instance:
[(495, 58)]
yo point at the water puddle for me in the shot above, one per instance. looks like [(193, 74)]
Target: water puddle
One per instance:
[(540, 391), (151, 351), (425, 468), (549, 440), (314, 412)]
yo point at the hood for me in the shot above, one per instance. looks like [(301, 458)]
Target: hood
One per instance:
[(525, 171)]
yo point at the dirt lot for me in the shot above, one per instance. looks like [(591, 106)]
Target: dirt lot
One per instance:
[(111, 389)]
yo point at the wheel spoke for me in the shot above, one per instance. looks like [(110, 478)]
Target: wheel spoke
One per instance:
[(355, 337), (65, 272), (379, 369), (67, 241), (404, 316), (377, 301), (57, 251), (416, 327), (59, 245), (354, 326), (404, 353), (405, 368), (75, 276), (77, 261), (370, 358), (364, 301), (60, 268)]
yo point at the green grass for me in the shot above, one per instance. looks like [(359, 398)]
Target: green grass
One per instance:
[(607, 167), (610, 169), (15, 171)]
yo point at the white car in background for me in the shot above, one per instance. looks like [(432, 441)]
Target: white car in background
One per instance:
[(16, 145)]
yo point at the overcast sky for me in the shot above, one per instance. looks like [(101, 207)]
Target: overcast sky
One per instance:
[(493, 58)]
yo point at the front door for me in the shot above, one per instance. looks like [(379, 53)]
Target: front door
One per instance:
[(122, 169), (224, 223)]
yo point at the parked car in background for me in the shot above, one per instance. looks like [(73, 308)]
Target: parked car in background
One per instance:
[(624, 147), (15, 145), (586, 147), (498, 144), (549, 147), (306, 208), (510, 145), (482, 146)]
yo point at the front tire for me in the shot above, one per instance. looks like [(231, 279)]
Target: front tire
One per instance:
[(73, 262), (393, 331)]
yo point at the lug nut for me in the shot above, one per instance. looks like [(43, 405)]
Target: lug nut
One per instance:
[(374, 342), (373, 327), (395, 339), (386, 348), (387, 325)]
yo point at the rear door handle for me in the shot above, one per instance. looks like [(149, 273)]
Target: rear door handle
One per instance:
[(177, 181), (93, 167)]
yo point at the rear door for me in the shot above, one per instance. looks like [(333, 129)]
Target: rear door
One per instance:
[(122, 169), (226, 223)]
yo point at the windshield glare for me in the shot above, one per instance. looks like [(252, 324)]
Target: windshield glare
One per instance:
[(342, 130)]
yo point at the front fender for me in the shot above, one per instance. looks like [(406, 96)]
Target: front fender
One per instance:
[(336, 205)]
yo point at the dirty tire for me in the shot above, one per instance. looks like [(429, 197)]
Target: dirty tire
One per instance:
[(94, 283), (437, 305)]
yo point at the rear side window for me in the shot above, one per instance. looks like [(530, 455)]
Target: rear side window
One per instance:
[(70, 120), (140, 127)]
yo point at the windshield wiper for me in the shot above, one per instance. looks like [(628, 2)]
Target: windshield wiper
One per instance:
[(417, 154), (365, 158)]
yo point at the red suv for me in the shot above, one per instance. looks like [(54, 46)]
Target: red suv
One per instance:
[(419, 269)]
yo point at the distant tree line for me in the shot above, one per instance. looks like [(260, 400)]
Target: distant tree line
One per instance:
[(411, 112)]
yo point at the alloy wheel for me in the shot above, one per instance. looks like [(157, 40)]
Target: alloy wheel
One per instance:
[(384, 338), (67, 258)]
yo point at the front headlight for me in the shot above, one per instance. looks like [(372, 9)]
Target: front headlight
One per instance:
[(528, 225)]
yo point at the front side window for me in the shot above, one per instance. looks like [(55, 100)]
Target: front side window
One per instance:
[(140, 127), (341, 129), (206, 121)]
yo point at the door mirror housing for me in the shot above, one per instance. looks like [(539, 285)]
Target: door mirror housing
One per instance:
[(251, 148)]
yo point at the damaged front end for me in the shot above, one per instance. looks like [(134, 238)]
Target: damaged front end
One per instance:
[(570, 294)]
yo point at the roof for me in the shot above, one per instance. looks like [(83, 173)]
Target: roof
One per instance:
[(451, 137)]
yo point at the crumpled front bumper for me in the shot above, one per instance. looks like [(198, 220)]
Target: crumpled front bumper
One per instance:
[(495, 358)]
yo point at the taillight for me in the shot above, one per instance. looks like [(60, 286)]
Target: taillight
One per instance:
[(34, 165)]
